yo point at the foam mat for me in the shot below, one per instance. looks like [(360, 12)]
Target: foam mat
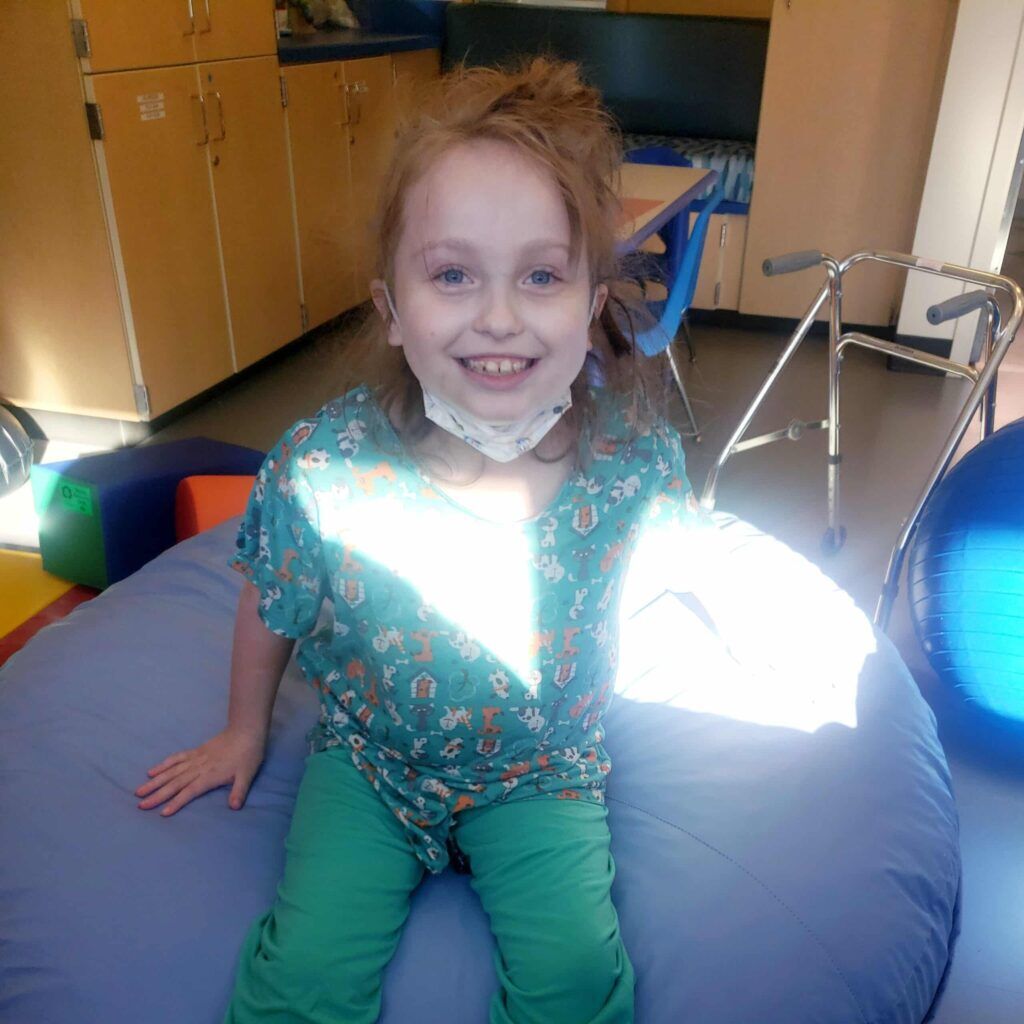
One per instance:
[(25, 588)]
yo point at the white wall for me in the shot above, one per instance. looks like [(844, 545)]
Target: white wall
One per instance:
[(967, 200)]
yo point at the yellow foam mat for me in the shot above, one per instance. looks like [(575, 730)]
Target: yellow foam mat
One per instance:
[(25, 589)]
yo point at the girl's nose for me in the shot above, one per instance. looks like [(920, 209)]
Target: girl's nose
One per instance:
[(498, 317)]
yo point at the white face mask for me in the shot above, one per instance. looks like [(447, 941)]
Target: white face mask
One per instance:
[(502, 442)]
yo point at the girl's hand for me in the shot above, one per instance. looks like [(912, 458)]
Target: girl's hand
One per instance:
[(230, 757)]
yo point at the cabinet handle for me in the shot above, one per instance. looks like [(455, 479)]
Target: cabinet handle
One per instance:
[(199, 118), (358, 88), (343, 91), (209, 22), (191, 19), (220, 118)]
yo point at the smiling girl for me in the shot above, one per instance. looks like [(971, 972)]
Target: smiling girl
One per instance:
[(469, 514)]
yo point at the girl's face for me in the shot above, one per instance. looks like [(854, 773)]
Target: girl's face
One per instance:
[(492, 315)]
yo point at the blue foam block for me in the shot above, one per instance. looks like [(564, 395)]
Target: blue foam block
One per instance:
[(103, 516)]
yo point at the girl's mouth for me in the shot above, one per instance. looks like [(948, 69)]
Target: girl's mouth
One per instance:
[(495, 367)]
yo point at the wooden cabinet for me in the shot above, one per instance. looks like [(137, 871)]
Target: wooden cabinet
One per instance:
[(318, 133), (154, 166), (62, 335), (196, 165), (154, 233), (161, 211), (721, 267), (342, 118), (116, 35), (371, 137), (253, 195), (227, 29), (851, 96), (414, 70)]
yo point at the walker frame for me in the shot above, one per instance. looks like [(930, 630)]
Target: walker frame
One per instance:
[(994, 339)]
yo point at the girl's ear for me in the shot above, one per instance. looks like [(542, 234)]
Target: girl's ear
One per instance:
[(379, 294)]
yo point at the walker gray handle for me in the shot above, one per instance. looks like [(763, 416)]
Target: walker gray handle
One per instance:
[(791, 262), (959, 305)]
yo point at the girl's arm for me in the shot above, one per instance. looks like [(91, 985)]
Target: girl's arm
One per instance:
[(233, 756), (258, 660)]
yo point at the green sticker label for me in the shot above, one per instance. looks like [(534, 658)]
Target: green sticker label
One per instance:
[(76, 498)]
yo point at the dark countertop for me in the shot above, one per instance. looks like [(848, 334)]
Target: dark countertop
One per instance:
[(346, 43)]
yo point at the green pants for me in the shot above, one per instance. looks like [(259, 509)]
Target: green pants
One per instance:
[(541, 868)]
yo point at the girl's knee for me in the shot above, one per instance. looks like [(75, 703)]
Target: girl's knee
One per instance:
[(281, 980), (579, 980)]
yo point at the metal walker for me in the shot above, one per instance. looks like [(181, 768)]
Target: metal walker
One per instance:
[(993, 338)]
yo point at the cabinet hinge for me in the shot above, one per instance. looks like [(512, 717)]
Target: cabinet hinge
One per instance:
[(142, 399), (94, 116), (305, 315), (722, 237), (80, 35), (284, 92), (718, 293)]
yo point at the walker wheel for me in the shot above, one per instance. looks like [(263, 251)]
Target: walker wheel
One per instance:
[(832, 542)]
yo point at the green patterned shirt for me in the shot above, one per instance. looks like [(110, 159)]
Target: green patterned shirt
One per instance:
[(468, 661)]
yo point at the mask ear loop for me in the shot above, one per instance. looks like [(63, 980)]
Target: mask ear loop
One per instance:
[(590, 320), (394, 312), (592, 363)]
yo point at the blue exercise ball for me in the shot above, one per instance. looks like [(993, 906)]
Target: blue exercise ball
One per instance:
[(966, 575)]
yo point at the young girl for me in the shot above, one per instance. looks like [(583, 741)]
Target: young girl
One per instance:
[(470, 520)]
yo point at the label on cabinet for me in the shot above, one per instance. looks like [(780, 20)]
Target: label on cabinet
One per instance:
[(151, 105)]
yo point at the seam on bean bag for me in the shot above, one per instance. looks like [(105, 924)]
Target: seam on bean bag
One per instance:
[(778, 899)]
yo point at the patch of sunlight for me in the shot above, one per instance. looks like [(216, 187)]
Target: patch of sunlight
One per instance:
[(783, 646), (442, 554)]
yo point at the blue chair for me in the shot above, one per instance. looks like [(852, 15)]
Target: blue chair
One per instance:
[(681, 263)]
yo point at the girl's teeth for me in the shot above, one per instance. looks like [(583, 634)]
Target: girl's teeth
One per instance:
[(498, 367)]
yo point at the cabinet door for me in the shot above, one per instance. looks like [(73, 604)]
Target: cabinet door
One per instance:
[(842, 153), (234, 28), (252, 188), (62, 342), (730, 274), (721, 265), (413, 71), (707, 292), (371, 138), (318, 132), (153, 166), (130, 34)]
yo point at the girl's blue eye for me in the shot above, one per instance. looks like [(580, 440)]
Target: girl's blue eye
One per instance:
[(546, 276), (452, 275)]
